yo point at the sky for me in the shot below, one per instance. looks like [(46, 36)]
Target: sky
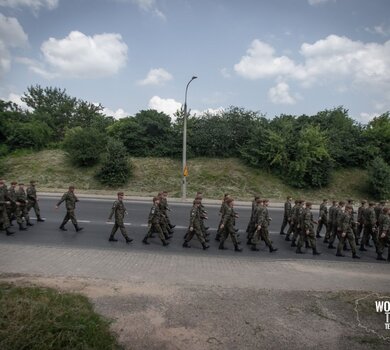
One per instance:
[(275, 57)]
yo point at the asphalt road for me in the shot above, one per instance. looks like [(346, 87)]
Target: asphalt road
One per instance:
[(92, 214)]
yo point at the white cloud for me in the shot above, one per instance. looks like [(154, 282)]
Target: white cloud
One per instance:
[(156, 76), (35, 5), (81, 56), (118, 114), (280, 94), (367, 117), (168, 106), (15, 98), (12, 36), (334, 58), (381, 30), (225, 73)]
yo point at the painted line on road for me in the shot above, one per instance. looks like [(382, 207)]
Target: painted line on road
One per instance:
[(84, 221)]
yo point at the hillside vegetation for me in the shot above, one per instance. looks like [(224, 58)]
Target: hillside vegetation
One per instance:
[(53, 171)]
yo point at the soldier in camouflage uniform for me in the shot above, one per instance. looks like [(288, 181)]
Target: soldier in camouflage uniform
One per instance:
[(287, 215), (331, 219), (298, 222), (118, 211), (360, 220), (307, 233), (154, 223), (378, 210), (195, 226), (323, 219), (227, 226), (4, 201), (21, 197), (262, 223), (369, 227), (203, 215), (384, 234), (165, 208), (336, 216), (346, 232), (222, 212), (33, 200), (70, 200), (15, 206), (291, 228), (249, 228), (254, 219)]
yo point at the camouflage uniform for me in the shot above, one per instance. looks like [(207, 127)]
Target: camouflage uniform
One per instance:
[(33, 201), (307, 232), (323, 220), (298, 215), (291, 228), (369, 227), (4, 221), (384, 235), (70, 200), (195, 224), (360, 220), (286, 216), (222, 212), (154, 223), (228, 221), (263, 221), (118, 210), (346, 233), (22, 212)]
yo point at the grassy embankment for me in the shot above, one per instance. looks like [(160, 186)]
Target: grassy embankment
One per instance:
[(53, 171), (42, 318)]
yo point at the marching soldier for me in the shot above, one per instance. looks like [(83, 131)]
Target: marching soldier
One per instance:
[(346, 232), (222, 211), (292, 226), (254, 219), (369, 227), (298, 216), (33, 201), (118, 211), (287, 215), (307, 232), (154, 223), (227, 226), (323, 218), (70, 200), (360, 220), (4, 201), (384, 234), (195, 226), (263, 221), (21, 197), (165, 208), (337, 213)]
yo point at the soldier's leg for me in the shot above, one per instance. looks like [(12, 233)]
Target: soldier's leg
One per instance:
[(65, 220), (296, 235), (265, 235), (284, 224), (160, 232), (124, 233), (352, 242), (37, 209), (340, 245), (233, 236), (72, 217), (5, 221), (26, 216), (223, 234), (313, 243), (319, 228), (365, 238), (113, 231)]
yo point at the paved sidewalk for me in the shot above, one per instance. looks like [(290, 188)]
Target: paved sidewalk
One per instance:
[(170, 268)]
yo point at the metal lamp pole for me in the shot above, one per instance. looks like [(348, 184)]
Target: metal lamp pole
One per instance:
[(184, 183)]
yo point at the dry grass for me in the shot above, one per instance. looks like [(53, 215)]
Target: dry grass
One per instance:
[(53, 171)]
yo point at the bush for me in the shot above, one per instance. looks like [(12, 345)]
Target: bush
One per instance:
[(32, 134), (379, 178), (84, 146), (116, 169)]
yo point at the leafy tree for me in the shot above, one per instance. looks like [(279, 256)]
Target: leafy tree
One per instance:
[(379, 178), (84, 146), (116, 169), (377, 136), (33, 134)]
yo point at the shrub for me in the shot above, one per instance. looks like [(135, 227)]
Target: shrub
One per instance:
[(84, 146), (116, 169), (379, 178)]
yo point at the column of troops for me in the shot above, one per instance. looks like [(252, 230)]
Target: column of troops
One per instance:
[(16, 203), (372, 224)]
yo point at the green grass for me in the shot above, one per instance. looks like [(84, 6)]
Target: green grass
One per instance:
[(214, 177), (42, 318)]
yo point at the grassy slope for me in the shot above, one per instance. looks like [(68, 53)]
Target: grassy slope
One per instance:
[(53, 171)]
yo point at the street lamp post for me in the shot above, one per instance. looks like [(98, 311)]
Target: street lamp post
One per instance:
[(184, 183)]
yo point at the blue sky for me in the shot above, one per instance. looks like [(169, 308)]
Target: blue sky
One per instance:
[(276, 57)]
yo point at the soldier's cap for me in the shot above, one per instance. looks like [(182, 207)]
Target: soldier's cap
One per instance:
[(21, 184), (334, 201), (265, 200), (308, 204), (259, 200), (341, 203), (289, 197), (32, 182), (386, 210), (350, 200), (13, 182), (349, 207), (363, 201), (71, 187), (371, 204), (198, 198), (196, 201), (156, 199), (229, 200), (382, 202), (325, 199), (120, 194), (296, 201)]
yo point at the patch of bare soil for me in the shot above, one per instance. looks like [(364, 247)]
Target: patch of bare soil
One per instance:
[(156, 316)]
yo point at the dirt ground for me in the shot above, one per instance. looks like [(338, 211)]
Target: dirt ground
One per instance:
[(156, 316)]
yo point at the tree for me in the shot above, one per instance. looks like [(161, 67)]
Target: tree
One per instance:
[(84, 146), (116, 169), (33, 134), (377, 136), (379, 178)]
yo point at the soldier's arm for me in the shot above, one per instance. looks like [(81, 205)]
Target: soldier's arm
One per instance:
[(63, 198), (113, 209)]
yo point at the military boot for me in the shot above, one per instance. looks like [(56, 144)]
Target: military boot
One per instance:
[(165, 243), (186, 245), (316, 252), (340, 254), (299, 251), (222, 246), (62, 228), (272, 249), (29, 223), (380, 257), (39, 219), (331, 246), (78, 228), (287, 238), (128, 240), (237, 248), (293, 244), (326, 240), (355, 256), (22, 228), (307, 244), (254, 248), (112, 239), (8, 232), (205, 246), (145, 240), (362, 249)]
